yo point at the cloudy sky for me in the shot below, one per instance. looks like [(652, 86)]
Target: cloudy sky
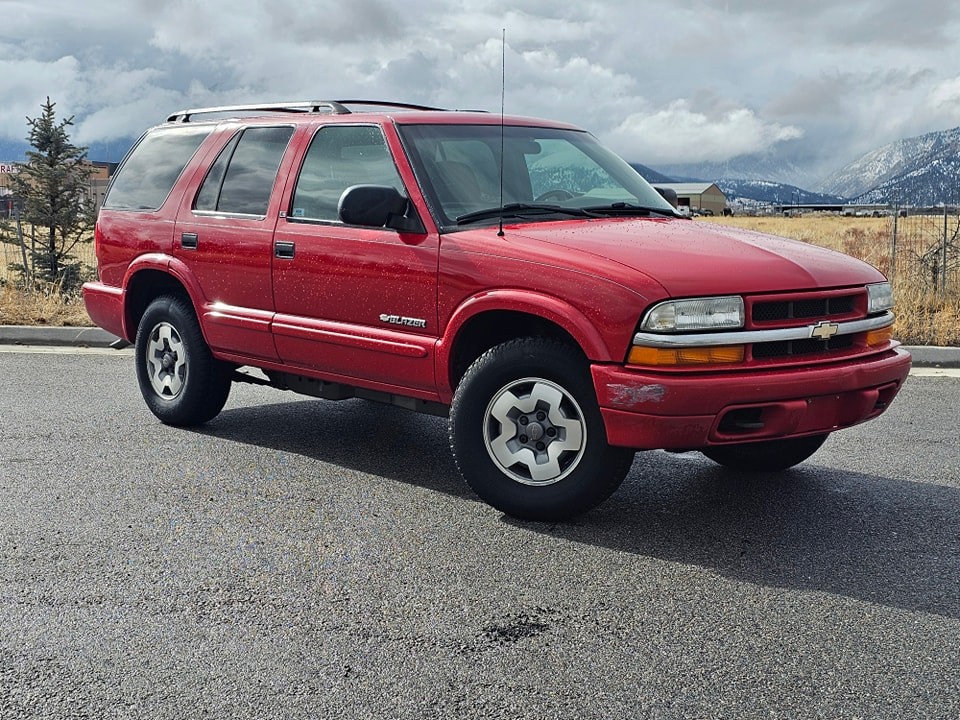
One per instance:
[(818, 82)]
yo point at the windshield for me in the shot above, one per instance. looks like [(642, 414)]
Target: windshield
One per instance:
[(547, 174)]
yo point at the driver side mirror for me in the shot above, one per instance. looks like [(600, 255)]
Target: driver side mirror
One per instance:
[(377, 206)]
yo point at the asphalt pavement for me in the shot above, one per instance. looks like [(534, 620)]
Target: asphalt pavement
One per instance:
[(297, 558)]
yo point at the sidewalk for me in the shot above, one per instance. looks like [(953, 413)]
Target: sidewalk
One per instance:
[(923, 355)]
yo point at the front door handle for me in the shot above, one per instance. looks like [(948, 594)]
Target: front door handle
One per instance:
[(189, 241), (284, 249)]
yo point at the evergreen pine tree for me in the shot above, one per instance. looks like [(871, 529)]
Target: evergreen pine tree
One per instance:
[(53, 187)]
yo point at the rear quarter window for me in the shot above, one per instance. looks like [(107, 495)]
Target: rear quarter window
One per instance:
[(147, 176)]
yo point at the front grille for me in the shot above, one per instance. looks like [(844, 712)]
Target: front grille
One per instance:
[(790, 348), (806, 316), (820, 308)]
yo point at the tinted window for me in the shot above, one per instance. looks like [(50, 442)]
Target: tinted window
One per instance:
[(242, 178), (339, 157), (146, 177), (209, 194)]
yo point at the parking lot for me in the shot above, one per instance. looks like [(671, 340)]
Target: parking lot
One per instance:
[(306, 559)]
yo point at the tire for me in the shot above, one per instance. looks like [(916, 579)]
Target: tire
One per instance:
[(767, 456), (527, 434), (181, 382)]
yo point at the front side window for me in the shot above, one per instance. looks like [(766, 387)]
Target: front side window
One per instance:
[(241, 179), (341, 156), (149, 172)]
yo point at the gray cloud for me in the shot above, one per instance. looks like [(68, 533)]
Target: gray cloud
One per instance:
[(693, 80)]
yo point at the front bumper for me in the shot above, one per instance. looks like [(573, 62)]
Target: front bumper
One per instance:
[(646, 410)]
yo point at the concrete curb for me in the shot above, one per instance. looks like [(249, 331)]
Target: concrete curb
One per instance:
[(63, 336), (934, 357), (923, 355)]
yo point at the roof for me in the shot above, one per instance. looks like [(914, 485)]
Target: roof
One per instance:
[(400, 113), (332, 107), (690, 188)]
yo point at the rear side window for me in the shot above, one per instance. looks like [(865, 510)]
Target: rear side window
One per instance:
[(242, 178), (147, 176)]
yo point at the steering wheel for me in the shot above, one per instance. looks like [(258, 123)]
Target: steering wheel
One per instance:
[(556, 194)]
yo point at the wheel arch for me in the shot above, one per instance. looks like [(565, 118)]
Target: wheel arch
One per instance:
[(497, 317), (148, 279)]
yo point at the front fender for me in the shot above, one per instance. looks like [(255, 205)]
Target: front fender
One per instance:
[(547, 307)]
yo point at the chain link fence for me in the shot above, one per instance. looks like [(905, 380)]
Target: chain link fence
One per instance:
[(925, 248), (18, 241)]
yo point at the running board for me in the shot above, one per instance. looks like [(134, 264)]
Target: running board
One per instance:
[(313, 387)]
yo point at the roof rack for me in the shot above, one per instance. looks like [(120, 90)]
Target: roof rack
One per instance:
[(332, 107)]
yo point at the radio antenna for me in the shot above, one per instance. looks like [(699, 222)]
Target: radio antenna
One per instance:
[(503, 85)]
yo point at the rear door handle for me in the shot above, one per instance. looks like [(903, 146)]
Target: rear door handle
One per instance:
[(189, 241), (284, 249)]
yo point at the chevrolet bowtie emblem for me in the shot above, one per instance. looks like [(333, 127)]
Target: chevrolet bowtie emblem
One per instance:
[(824, 330)]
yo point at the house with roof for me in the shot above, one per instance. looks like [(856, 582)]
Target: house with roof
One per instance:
[(706, 198)]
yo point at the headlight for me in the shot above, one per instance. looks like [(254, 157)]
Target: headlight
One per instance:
[(879, 297), (717, 313)]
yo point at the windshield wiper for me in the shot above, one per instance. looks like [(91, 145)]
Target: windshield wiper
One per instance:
[(623, 208), (521, 209)]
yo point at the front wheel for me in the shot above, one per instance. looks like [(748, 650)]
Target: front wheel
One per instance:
[(766, 456), (180, 380), (527, 433)]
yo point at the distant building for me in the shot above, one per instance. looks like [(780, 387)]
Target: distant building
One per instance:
[(97, 188), (99, 180), (7, 169), (703, 197)]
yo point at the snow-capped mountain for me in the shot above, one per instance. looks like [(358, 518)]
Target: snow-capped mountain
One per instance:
[(773, 192), (876, 172), (923, 170), (651, 175), (751, 191), (933, 179), (769, 166)]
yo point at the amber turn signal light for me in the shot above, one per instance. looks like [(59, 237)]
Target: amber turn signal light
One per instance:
[(880, 337), (640, 355)]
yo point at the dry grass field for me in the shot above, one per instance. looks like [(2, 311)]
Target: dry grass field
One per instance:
[(867, 238), (922, 316), (18, 307)]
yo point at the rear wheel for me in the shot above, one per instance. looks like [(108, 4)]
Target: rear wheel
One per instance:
[(767, 456), (527, 433), (180, 380)]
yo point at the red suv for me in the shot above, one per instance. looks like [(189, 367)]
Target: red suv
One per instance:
[(511, 273)]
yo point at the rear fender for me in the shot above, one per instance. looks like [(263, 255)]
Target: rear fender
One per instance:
[(167, 265)]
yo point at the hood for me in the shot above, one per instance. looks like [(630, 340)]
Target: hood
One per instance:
[(695, 259)]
